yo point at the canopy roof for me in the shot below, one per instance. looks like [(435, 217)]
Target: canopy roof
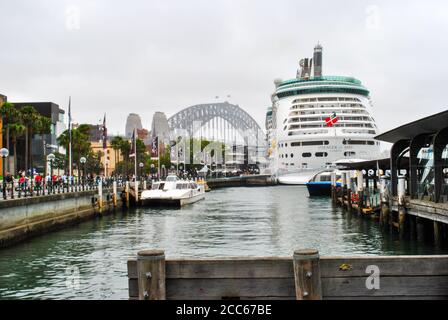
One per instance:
[(428, 125)]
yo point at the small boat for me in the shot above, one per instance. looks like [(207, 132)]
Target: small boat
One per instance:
[(320, 184), (173, 192)]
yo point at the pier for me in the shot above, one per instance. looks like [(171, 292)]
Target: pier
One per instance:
[(23, 218), (413, 199)]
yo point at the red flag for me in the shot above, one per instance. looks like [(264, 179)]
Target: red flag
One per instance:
[(331, 120)]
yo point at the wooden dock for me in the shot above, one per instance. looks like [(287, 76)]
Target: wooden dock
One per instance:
[(303, 276)]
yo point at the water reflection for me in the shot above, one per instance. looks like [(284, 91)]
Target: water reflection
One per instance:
[(230, 222)]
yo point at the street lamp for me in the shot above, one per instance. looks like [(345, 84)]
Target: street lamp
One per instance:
[(83, 161), (4, 154), (51, 158)]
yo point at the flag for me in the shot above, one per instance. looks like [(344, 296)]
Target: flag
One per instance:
[(133, 151), (155, 147), (104, 133), (331, 120)]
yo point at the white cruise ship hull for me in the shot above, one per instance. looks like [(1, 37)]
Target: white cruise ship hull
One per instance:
[(297, 178)]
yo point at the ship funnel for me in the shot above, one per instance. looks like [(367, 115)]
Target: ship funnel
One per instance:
[(317, 60)]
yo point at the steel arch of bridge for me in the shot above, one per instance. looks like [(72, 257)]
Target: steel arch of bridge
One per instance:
[(239, 119)]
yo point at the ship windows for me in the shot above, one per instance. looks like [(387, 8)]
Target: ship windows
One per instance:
[(306, 155), (286, 144), (359, 142), (349, 154), (309, 143), (321, 154), (292, 155)]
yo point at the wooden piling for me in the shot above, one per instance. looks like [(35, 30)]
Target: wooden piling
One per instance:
[(100, 196), (114, 191), (437, 233), (401, 206), (127, 189), (420, 229), (151, 275), (307, 275)]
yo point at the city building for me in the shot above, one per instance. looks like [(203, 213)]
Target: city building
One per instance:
[(159, 127), (41, 145), (132, 122), (144, 135), (112, 156)]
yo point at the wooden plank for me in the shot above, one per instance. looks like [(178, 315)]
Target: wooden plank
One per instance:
[(390, 298), (259, 268), (282, 267), (212, 288), (389, 286), (133, 288), (132, 268), (389, 266)]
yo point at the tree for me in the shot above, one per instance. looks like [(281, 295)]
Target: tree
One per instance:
[(9, 116), (116, 145), (15, 130), (29, 116), (80, 144)]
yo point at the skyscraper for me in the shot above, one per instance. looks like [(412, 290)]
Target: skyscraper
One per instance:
[(133, 122)]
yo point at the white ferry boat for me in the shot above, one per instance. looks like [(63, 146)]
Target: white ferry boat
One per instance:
[(316, 120), (173, 192)]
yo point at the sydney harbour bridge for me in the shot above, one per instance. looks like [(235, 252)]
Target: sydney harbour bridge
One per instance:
[(223, 122)]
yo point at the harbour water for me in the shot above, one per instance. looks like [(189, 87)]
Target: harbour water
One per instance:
[(88, 261)]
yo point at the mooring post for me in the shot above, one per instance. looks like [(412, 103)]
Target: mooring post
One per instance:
[(144, 185), (307, 274), (349, 191), (333, 188), (114, 191), (401, 205), (344, 187), (151, 275), (360, 191), (437, 233), (127, 193), (100, 195)]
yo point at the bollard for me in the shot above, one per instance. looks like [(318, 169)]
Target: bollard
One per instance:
[(307, 275), (151, 275), (114, 191), (144, 185), (136, 191)]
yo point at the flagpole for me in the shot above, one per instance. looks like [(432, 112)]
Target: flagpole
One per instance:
[(69, 137), (105, 145), (158, 156), (135, 157)]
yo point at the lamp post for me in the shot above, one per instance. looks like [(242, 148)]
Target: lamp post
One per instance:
[(152, 171), (141, 165), (4, 154), (51, 158), (83, 161)]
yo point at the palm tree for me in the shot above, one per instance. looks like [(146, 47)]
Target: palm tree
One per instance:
[(80, 143), (29, 117), (8, 113), (42, 127), (15, 130), (116, 144)]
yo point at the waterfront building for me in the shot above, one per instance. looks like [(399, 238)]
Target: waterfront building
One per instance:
[(317, 120), (112, 156), (132, 122), (41, 145)]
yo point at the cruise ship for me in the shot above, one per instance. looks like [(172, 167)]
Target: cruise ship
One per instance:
[(317, 120)]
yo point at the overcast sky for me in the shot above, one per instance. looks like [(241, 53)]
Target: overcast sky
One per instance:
[(145, 56)]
